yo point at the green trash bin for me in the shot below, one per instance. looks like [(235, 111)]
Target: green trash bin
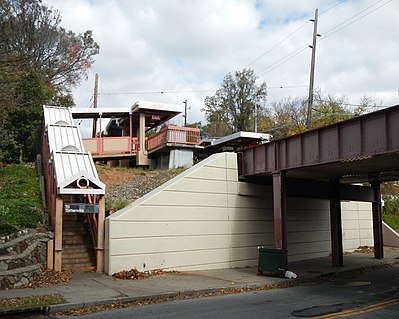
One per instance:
[(273, 261)]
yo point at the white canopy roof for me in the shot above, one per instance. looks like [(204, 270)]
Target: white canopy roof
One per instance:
[(71, 163)]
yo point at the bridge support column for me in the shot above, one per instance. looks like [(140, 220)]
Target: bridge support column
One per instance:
[(336, 225), (377, 222), (279, 209)]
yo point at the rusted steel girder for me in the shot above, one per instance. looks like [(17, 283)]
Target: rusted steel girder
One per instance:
[(361, 137)]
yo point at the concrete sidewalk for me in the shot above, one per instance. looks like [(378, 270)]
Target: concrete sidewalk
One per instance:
[(89, 288)]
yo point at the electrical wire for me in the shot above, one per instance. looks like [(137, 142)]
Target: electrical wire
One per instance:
[(330, 32)]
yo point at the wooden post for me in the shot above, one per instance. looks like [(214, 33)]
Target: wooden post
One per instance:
[(100, 235), (58, 234), (50, 254)]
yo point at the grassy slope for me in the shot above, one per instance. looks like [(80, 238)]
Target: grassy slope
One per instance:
[(20, 199), (391, 220)]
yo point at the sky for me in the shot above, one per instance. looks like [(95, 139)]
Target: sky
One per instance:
[(170, 51)]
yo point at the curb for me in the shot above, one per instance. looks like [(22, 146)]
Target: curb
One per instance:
[(52, 309)]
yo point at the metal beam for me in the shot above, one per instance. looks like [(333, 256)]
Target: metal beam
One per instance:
[(360, 141), (279, 207), (336, 225), (377, 222)]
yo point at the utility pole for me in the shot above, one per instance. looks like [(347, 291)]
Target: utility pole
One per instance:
[(185, 112), (312, 67), (95, 96), (256, 117)]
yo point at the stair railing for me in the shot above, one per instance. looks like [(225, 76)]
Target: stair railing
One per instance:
[(93, 224)]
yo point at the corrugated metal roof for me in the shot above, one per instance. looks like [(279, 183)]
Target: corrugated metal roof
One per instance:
[(64, 138), (69, 160), (57, 114), (69, 164)]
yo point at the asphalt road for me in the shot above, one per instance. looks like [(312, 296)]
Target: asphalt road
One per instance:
[(368, 295)]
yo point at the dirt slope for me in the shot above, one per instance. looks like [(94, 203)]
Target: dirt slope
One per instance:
[(127, 185)]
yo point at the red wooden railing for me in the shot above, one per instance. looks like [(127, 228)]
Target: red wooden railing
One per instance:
[(111, 145), (125, 145), (174, 135)]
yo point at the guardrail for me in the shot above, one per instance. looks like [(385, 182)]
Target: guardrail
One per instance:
[(111, 145), (174, 135)]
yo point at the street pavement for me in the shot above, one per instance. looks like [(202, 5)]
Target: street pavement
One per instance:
[(94, 289)]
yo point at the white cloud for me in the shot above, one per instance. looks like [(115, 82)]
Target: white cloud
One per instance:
[(177, 45)]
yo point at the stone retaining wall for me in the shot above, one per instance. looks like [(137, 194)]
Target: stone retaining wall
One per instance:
[(22, 256)]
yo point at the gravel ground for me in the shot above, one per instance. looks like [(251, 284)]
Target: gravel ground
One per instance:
[(131, 184)]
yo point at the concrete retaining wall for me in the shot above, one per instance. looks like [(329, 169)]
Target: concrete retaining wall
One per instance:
[(22, 257), (205, 219)]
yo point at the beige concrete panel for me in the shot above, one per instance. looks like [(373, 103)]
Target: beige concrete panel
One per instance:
[(106, 246), (163, 229), (307, 215), (350, 215), (232, 175), (349, 224), (390, 236), (365, 214), (308, 226), (196, 185), (309, 248), (351, 244), (154, 245), (305, 237), (244, 253), (193, 259), (231, 160), (248, 189), (232, 187), (350, 234), (295, 203), (365, 223), (349, 206), (293, 258), (249, 202), (364, 206), (254, 214), (366, 233), (172, 198), (218, 161), (251, 240), (367, 242), (207, 172), (172, 213), (251, 227)]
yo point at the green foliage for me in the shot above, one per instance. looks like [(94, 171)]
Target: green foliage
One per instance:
[(31, 302), (391, 220), (391, 205), (113, 205), (232, 108), (39, 63), (32, 31), (288, 116), (20, 198)]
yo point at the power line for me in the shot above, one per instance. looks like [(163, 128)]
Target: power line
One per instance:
[(330, 32), (153, 92), (275, 46)]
